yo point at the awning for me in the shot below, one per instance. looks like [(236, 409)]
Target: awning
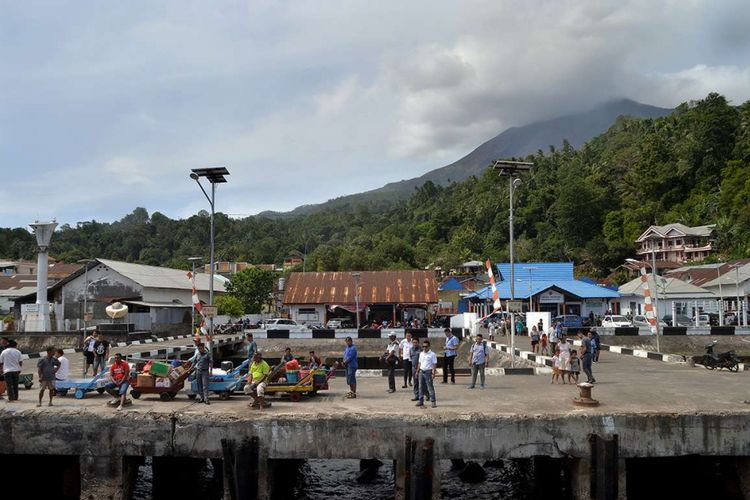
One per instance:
[(157, 304), (352, 308)]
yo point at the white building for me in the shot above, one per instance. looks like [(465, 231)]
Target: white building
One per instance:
[(159, 298), (730, 285), (672, 295)]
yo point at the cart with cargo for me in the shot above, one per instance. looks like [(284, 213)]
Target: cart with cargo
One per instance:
[(302, 383), (160, 378)]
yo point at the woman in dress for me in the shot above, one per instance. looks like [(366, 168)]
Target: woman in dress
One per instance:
[(564, 348)]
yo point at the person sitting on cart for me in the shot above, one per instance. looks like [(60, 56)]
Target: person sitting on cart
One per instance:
[(256, 380), (118, 386), (288, 356), (315, 361)]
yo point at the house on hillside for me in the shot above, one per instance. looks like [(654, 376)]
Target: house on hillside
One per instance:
[(159, 298), (676, 243), (393, 296)]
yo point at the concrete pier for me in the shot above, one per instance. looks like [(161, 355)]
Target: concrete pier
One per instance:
[(649, 411)]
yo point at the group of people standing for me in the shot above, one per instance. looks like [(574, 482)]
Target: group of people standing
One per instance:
[(419, 366), (568, 362)]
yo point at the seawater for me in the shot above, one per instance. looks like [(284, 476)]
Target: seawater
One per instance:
[(312, 479)]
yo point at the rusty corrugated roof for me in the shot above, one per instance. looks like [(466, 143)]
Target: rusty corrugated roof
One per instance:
[(375, 287)]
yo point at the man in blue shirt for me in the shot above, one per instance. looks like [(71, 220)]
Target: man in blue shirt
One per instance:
[(350, 362), (449, 358), (478, 358), (252, 347)]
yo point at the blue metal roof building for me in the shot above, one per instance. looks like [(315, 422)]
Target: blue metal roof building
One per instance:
[(548, 286)]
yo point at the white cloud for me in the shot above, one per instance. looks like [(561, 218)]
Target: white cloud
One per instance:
[(306, 101)]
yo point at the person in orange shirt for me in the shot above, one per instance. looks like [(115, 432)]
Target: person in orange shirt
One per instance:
[(118, 385)]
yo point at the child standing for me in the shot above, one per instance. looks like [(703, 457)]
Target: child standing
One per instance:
[(575, 366), (543, 343), (555, 368)]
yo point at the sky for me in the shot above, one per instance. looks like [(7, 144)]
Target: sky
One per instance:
[(106, 106)]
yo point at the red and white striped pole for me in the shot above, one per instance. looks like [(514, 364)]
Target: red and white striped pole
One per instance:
[(650, 314)]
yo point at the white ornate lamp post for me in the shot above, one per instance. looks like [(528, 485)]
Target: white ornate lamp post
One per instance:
[(39, 321)]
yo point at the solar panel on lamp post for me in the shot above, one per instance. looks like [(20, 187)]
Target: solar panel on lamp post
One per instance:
[(512, 169), (214, 175)]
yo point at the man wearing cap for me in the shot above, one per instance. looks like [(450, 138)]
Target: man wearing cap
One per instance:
[(391, 360)]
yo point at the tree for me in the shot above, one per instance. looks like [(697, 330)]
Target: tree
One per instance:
[(230, 305), (252, 286)]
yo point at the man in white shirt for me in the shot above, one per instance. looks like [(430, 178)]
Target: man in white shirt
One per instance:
[(553, 338), (426, 369), (10, 365), (64, 371), (405, 351)]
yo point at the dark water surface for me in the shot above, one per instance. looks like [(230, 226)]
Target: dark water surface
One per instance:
[(314, 479), (673, 477)]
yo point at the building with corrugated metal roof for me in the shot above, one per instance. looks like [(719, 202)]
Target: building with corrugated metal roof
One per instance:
[(544, 287), (392, 296), (159, 298)]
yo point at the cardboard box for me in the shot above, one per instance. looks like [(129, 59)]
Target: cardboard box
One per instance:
[(145, 380), (173, 375), (163, 382)]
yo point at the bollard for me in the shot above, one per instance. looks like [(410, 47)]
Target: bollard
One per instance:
[(584, 397)]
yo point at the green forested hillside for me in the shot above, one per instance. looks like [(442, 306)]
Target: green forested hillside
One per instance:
[(585, 205)]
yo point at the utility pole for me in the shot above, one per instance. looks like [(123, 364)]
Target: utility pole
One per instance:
[(512, 169), (215, 175)]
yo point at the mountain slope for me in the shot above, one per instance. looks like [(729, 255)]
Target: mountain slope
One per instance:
[(514, 142)]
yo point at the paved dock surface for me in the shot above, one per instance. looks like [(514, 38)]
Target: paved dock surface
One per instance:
[(625, 385)]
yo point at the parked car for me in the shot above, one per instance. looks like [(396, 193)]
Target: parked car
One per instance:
[(569, 320), (284, 324), (704, 320), (339, 323), (682, 320), (641, 321), (615, 321)]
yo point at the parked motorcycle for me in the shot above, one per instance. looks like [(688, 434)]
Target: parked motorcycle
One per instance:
[(726, 360), (225, 329)]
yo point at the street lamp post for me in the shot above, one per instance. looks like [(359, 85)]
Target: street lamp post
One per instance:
[(512, 169), (215, 175), (193, 260), (356, 296), (736, 268), (529, 269), (721, 298), (653, 239), (86, 263)]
